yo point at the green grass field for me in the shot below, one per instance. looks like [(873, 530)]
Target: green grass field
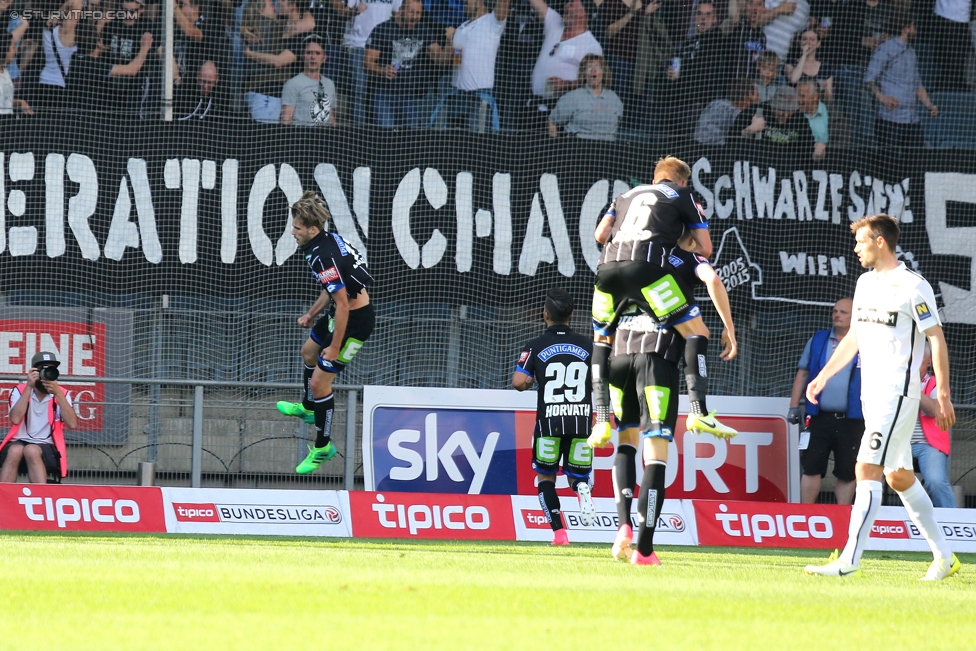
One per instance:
[(71, 592)]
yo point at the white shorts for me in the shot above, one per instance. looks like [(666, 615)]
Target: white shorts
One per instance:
[(888, 428)]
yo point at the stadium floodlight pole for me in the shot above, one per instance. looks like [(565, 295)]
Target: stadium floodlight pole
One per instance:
[(168, 63)]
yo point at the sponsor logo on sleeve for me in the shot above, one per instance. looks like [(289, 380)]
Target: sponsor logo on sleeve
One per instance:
[(330, 275), (524, 357), (923, 312)]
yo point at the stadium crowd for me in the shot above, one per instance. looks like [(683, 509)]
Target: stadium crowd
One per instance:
[(807, 74)]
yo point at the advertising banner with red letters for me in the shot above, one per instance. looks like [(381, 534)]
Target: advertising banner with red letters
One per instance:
[(257, 512), (61, 507), (431, 515), (894, 530), (674, 526), (475, 441)]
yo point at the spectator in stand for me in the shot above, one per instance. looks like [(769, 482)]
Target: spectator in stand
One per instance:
[(89, 88), (784, 19), (768, 66), (746, 37), (39, 412), (8, 99), (809, 67), (731, 117), (309, 98), (892, 79), (623, 24), (815, 111), (952, 44), (590, 112), (399, 53), (567, 39), (271, 60), (16, 27), (654, 48), (697, 73), (209, 102), (856, 29), (787, 127), (128, 93), (475, 43), (364, 16), (59, 46), (931, 445)]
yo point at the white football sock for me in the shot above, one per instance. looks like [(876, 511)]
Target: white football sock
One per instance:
[(919, 506), (867, 501)]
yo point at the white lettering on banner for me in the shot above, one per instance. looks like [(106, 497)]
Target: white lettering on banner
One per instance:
[(812, 263), (67, 509), (443, 454), (421, 516), (708, 466), (76, 350), (940, 189), (765, 525)]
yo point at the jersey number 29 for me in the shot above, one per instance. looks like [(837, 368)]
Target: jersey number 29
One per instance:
[(567, 383)]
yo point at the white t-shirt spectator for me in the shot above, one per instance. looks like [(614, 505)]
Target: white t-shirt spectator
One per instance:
[(360, 27), (559, 58), (779, 33), (478, 40), (6, 93), (36, 428), (53, 72)]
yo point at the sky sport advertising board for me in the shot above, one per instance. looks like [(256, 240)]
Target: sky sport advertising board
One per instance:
[(479, 441)]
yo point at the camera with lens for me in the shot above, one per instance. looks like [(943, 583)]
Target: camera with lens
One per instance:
[(49, 373)]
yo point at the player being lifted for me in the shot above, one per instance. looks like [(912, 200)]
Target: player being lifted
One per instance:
[(336, 338), (893, 308), (641, 231), (644, 393), (559, 360)]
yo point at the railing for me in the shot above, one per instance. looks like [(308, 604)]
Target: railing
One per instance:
[(196, 471)]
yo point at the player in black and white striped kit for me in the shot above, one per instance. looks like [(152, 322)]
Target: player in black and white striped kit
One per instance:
[(559, 360)]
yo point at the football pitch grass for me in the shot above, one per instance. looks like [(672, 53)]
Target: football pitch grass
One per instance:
[(150, 592)]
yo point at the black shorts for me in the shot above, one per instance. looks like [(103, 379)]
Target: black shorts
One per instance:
[(49, 454), (840, 435), (657, 291), (644, 391), (549, 453), (358, 329)]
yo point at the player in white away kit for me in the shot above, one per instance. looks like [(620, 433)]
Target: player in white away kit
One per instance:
[(893, 307)]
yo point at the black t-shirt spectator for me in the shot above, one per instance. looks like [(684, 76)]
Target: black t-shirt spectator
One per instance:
[(795, 132), (406, 48), (745, 44), (703, 75), (130, 95)]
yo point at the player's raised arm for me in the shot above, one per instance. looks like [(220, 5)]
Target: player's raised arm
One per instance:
[(602, 233), (946, 417), (844, 353), (720, 298)]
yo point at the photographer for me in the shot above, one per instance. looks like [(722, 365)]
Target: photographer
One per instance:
[(39, 411)]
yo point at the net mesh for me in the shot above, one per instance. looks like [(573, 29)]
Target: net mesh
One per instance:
[(135, 247)]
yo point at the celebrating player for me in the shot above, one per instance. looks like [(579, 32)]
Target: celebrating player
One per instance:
[(641, 231), (893, 306), (644, 389), (335, 339), (560, 359)]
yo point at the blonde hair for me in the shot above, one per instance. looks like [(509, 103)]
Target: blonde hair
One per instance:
[(311, 210), (671, 169)]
